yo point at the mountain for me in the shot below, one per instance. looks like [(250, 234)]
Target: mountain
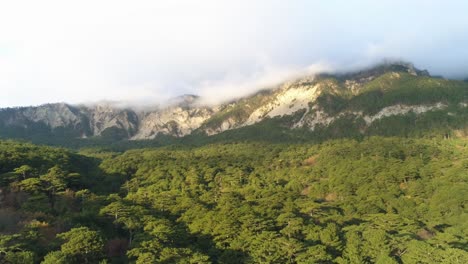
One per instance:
[(373, 100), (363, 167)]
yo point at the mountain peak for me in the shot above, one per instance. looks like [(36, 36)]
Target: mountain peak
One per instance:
[(382, 68)]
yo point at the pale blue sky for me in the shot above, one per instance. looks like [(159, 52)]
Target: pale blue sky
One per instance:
[(84, 51)]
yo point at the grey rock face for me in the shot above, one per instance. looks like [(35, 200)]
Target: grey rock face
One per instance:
[(50, 115), (88, 121), (175, 121), (102, 117)]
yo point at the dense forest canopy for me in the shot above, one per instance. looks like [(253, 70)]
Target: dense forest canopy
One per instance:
[(373, 200)]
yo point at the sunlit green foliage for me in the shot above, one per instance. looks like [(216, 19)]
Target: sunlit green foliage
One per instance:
[(378, 200)]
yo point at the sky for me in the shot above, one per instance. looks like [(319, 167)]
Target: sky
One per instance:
[(149, 51)]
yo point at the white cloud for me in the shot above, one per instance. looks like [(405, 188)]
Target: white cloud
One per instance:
[(236, 85), (80, 51)]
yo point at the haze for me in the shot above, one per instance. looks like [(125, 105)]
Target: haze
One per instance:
[(149, 51)]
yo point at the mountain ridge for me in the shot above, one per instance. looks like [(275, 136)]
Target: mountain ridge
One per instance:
[(361, 97)]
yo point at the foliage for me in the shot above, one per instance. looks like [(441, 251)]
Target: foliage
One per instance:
[(376, 200)]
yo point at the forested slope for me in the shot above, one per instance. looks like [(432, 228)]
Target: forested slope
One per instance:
[(376, 200)]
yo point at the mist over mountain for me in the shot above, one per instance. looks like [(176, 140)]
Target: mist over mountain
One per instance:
[(362, 102)]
